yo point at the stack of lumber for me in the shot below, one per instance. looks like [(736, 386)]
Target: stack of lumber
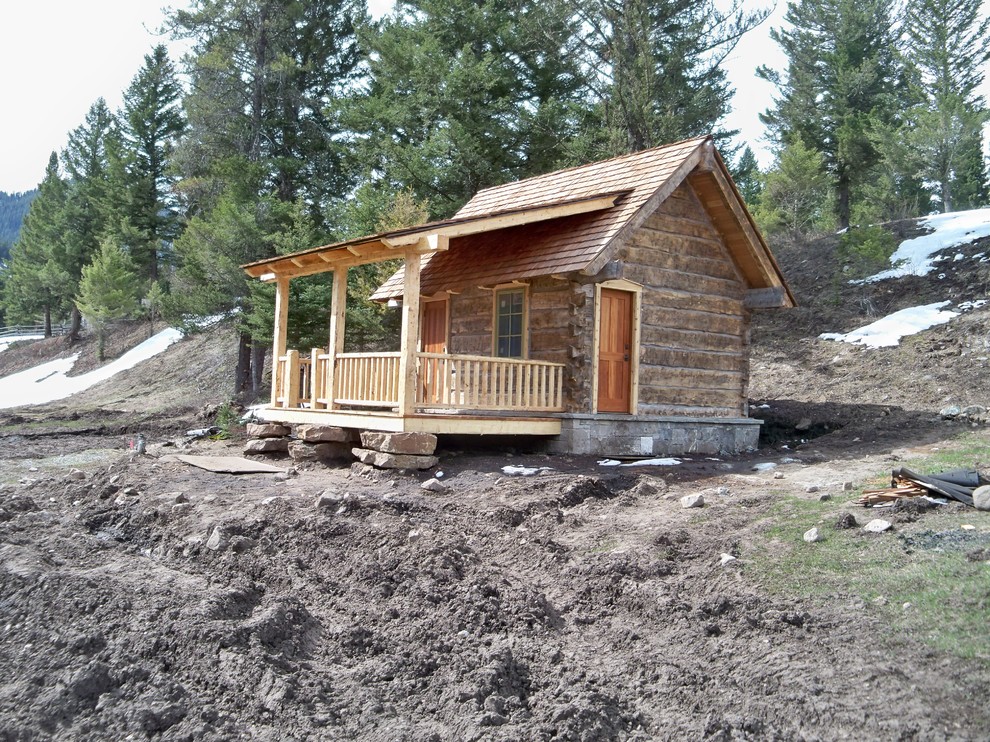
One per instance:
[(957, 484)]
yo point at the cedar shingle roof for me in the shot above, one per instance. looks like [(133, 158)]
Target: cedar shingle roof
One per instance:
[(560, 245)]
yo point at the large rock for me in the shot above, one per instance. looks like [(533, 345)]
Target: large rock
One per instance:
[(267, 430), (383, 460), (323, 434), (266, 445), (693, 501), (302, 451), (981, 497), (417, 444)]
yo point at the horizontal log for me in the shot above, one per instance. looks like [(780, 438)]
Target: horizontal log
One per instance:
[(681, 319), (691, 378), (690, 339), (679, 299), (652, 396), (679, 244), (709, 360), (703, 285), (679, 225), (722, 268)]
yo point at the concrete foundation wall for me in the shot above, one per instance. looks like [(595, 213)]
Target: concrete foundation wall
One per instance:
[(625, 435)]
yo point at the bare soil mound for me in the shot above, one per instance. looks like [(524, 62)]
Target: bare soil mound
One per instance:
[(155, 600)]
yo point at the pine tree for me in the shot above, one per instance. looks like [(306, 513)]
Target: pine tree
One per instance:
[(463, 95), (259, 147), (657, 70), (108, 290), (151, 123), (796, 192), (948, 47), (90, 203), (843, 83), (748, 178), (37, 282)]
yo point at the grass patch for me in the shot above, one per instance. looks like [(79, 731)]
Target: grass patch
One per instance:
[(923, 563)]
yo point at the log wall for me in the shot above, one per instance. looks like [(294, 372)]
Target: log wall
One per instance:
[(559, 318), (694, 352), (694, 327)]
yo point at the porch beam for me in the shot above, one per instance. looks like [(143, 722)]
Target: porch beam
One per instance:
[(410, 334), (281, 328)]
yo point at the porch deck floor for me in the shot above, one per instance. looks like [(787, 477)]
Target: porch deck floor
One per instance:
[(434, 421)]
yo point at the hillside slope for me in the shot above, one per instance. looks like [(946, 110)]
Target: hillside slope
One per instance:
[(945, 365)]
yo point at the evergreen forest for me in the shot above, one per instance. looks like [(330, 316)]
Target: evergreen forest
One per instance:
[(13, 208), (295, 123)]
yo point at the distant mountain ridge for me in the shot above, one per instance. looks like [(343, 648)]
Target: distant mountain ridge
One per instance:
[(13, 208)]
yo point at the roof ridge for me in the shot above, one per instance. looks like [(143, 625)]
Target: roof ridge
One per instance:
[(627, 155)]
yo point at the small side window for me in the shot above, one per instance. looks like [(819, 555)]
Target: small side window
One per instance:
[(509, 316)]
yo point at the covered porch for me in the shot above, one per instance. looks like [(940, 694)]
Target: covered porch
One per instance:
[(407, 390)]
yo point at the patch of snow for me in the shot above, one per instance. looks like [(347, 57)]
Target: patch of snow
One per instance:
[(888, 331), (915, 257), (7, 342), (654, 462), (765, 466), (48, 382), (967, 305), (524, 471), (644, 462), (957, 257)]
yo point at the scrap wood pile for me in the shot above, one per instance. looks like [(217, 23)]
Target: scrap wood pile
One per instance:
[(957, 484)]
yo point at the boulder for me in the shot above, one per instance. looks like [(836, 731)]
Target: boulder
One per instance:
[(981, 497), (383, 460), (434, 485), (812, 536), (267, 430), (416, 444), (302, 451), (266, 445), (877, 525), (323, 434), (693, 501)]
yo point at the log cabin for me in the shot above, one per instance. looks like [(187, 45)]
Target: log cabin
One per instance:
[(606, 307)]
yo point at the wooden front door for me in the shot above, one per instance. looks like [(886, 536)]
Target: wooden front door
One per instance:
[(433, 339), (433, 323), (615, 331)]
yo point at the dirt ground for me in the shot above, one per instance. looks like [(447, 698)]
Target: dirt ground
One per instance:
[(148, 599), (141, 598)]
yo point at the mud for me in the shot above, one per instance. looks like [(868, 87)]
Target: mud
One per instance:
[(151, 600)]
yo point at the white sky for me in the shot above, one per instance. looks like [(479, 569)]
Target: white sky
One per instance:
[(59, 56)]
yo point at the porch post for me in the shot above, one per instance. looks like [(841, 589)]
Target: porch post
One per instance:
[(278, 341), (410, 334), (338, 305)]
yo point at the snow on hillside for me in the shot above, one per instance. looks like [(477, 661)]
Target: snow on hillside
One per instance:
[(918, 256), (7, 342), (888, 331), (49, 381)]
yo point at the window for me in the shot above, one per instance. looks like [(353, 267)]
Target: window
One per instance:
[(509, 313)]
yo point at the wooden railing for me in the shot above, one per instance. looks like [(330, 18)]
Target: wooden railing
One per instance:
[(444, 382), (484, 383), (370, 379)]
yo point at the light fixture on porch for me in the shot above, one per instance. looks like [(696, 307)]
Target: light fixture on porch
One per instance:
[(392, 303)]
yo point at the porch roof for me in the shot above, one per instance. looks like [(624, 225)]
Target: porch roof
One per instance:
[(426, 238)]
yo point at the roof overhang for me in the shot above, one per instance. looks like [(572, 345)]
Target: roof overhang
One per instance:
[(423, 239)]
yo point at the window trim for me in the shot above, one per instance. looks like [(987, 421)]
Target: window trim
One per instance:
[(524, 340)]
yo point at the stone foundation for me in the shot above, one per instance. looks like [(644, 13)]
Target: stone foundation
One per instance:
[(628, 435)]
